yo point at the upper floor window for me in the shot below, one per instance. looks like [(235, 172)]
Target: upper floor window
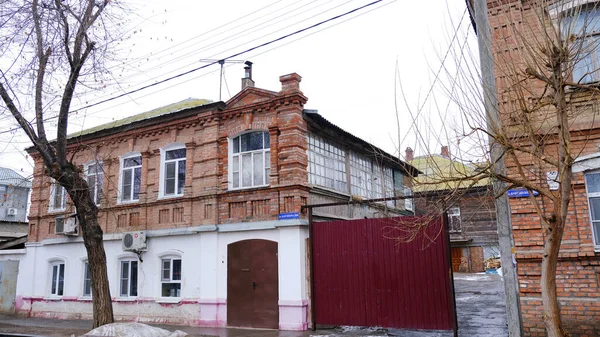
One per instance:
[(326, 164), (592, 185), (361, 175), (173, 159), (58, 197), (408, 202), (94, 174), (581, 24), (250, 160), (454, 219), (399, 188), (131, 177)]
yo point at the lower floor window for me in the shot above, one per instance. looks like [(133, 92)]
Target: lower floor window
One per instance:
[(129, 278), (58, 279), (592, 185), (171, 277), (87, 280)]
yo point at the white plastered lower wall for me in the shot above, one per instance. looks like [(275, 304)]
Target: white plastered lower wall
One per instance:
[(203, 250)]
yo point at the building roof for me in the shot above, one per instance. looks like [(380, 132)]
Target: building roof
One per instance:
[(10, 177), (164, 110), (159, 115), (338, 133), (444, 174)]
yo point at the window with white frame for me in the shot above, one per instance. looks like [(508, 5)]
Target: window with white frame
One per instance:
[(250, 163), (326, 164), (170, 277), (59, 225), (129, 279), (361, 175), (408, 202), (94, 174), (592, 185), (87, 280), (58, 197), (377, 182), (581, 25), (173, 159), (454, 220), (131, 178), (57, 281), (398, 187)]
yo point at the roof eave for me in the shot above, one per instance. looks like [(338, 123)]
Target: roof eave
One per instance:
[(321, 122), (141, 123)]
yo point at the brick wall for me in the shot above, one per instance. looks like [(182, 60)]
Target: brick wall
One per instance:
[(514, 24), (207, 198)]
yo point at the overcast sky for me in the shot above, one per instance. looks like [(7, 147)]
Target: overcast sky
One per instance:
[(349, 66)]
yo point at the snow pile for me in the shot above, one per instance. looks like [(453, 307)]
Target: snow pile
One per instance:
[(133, 330)]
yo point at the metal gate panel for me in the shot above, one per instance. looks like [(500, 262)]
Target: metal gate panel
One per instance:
[(9, 271), (366, 275)]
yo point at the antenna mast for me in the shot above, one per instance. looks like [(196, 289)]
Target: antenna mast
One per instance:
[(221, 62)]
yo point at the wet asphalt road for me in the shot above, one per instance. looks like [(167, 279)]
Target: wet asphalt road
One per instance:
[(479, 301)]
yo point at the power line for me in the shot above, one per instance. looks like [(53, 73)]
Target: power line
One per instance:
[(216, 62), (231, 38), (231, 56)]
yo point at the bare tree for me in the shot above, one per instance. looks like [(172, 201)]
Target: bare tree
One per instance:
[(546, 68), (48, 49)]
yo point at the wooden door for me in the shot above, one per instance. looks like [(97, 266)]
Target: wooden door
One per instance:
[(456, 258), (252, 284)]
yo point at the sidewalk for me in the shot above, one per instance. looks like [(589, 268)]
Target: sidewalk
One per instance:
[(479, 301)]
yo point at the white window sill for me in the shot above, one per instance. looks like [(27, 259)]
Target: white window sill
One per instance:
[(169, 300), (53, 298), (56, 210), (85, 299), (247, 187), (127, 202), (125, 299), (162, 197)]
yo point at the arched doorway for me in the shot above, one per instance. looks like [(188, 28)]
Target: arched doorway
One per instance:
[(252, 284)]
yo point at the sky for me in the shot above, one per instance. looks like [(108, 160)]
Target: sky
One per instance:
[(366, 72)]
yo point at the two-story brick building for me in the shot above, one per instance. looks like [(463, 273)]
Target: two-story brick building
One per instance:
[(519, 30), (200, 206)]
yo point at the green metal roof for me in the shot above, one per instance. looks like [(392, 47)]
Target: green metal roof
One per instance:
[(442, 173), (165, 110)]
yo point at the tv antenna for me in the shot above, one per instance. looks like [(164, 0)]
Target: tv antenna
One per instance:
[(222, 62)]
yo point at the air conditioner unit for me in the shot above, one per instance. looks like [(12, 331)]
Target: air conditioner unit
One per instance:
[(71, 225), (134, 241), (11, 212)]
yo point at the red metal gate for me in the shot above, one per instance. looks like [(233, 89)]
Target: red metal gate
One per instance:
[(369, 272)]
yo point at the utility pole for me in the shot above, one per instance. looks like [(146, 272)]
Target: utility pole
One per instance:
[(505, 237)]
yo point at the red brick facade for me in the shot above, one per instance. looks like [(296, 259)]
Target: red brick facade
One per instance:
[(207, 198), (513, 23)]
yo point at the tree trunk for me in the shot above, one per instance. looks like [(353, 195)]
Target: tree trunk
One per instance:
[(551, 315), (87, 214)]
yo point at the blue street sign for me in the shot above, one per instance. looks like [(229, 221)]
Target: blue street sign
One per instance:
[(291, 215), (520, 193)]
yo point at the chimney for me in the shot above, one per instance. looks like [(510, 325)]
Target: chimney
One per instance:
[(408, 154), (290, 83), (445, 152), (247, 80)]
